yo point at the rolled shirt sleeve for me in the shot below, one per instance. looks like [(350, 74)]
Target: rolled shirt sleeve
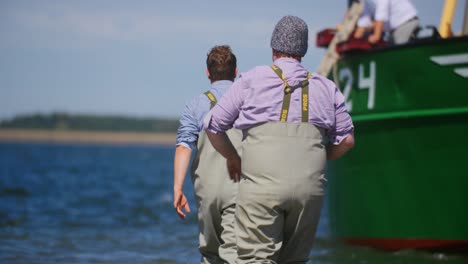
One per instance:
[(223, 115), (189, 127), (343, 122), (365, 20)]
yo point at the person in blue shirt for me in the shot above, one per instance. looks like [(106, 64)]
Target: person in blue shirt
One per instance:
[(215, 192)]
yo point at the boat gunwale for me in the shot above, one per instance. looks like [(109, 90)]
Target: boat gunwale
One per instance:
[(414, 44)]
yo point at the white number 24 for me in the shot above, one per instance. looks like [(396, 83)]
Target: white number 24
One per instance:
[(363, 83)]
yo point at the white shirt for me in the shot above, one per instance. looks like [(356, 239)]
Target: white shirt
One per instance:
[(393, 12)]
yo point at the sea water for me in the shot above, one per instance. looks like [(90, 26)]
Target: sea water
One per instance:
[(75, 203)]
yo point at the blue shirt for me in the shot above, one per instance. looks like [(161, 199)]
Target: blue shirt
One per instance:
[(191, 122)]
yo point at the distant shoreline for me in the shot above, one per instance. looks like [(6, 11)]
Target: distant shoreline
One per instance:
[(86, 137)]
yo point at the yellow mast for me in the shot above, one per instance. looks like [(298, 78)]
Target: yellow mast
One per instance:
[(465, 20), (445, 27)]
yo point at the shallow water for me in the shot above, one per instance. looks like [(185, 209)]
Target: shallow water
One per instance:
[(113, 204)]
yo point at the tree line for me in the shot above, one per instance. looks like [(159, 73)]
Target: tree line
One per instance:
[(64, 121)]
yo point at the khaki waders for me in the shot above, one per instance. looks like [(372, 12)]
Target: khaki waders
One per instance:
[(282, 188), (215, 194)]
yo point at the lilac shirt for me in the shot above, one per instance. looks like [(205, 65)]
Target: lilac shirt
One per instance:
[(257, 95)]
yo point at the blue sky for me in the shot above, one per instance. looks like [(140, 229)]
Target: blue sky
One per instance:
[(142, 58)]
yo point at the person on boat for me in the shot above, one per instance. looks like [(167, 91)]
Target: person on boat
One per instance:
[(397, 17), (215, 193), (287, 116)]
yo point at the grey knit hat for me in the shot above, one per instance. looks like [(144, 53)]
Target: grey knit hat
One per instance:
[(290, 36)]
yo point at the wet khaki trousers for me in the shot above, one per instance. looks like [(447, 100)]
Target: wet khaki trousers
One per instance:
[(281, 193), (215, 194)]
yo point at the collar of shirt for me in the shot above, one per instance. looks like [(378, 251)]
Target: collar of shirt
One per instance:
[(283, 61), (218, 88), (221, 85), (292, 69)]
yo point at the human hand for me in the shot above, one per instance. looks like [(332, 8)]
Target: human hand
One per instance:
[(234, 168), (374, 38), (181, 203), (358, 33)]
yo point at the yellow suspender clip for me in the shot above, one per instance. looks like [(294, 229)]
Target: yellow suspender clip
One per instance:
[(212, 98)]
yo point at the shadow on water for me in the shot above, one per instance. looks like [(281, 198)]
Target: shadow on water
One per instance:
[(20, 192)]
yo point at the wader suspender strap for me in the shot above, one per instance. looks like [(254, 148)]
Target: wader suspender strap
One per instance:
[(287, 96), (212, 98)]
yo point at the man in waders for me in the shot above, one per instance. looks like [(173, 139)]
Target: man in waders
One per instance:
[(287, 115), (215, 193)]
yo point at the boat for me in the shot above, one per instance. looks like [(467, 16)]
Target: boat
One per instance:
[(403, 186)]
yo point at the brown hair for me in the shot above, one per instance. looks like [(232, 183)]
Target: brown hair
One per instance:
[(280, 54), (221, 63)]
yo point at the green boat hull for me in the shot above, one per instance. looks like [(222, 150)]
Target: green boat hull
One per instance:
[(403, 185)]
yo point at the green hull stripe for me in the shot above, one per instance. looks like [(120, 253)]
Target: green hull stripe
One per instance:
[(410, 114)]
